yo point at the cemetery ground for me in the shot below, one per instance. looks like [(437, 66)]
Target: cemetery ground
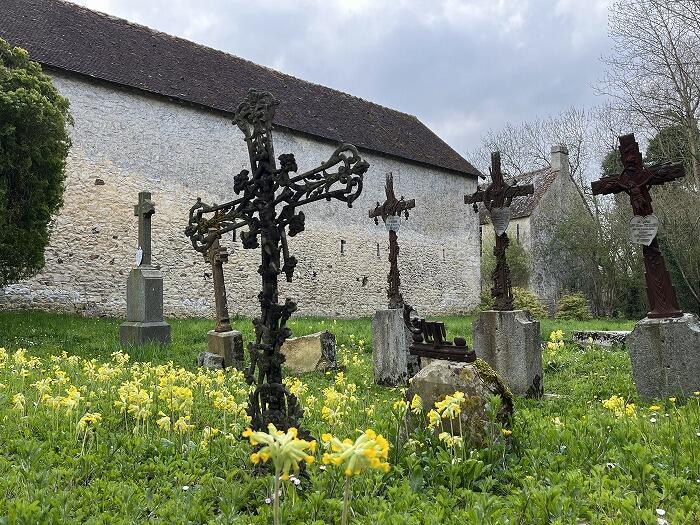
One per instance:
[(88, 434)]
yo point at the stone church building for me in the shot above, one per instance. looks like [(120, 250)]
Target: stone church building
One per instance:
[(534, 218), (153, 112)]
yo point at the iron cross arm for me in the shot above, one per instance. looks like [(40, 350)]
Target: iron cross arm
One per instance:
[(509, 193), (654, 176), (392, 205)]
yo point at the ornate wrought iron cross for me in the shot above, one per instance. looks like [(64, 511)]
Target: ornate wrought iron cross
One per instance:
[(497, 197), (261, 191), (636, 180), (392, 207)]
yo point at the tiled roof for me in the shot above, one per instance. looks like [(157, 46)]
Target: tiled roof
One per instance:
[(524, 206), (72, 38)]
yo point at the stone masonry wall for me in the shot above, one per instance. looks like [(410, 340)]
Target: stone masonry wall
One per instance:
[(125, 141)]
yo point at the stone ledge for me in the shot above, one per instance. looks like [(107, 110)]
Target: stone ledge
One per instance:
[(606, 338)]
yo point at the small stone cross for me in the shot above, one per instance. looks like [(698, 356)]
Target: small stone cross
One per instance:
[(636, 180), (144, 210)]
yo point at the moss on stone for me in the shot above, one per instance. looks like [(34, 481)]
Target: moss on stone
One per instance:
[(491, 376)]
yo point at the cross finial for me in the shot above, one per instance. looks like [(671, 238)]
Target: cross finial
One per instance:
[(144, 210)]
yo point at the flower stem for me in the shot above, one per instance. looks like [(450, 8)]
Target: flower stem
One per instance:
[(346, 501), (276, 500)]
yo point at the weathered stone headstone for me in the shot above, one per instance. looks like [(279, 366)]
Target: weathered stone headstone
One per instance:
[(665, 355), (606, 338), (210, 361), (310, 353), (390, 338), (665, 346), (478, 381), (144, 288), (510, 342), (507, 339)]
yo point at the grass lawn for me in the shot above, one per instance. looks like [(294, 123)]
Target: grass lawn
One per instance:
[(569, 458)]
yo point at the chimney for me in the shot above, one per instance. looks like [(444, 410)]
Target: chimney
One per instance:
[(560, 158)]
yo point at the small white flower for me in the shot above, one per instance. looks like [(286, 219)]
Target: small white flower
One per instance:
[(268, 500), (322, 467), (652, 419), (661, 512), (186, 487)]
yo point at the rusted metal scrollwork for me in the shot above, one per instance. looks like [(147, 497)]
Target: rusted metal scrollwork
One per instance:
[(261, 191)]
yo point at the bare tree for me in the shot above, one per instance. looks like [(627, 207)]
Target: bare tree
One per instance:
[(653, 73)]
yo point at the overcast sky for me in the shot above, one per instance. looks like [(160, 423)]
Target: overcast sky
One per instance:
[(463, 67)]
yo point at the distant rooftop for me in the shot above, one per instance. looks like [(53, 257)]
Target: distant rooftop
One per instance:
[(66, 36)]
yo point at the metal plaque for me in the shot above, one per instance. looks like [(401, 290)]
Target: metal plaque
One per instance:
[(643, 229), (138, 259), (393, 223), (500, 217)]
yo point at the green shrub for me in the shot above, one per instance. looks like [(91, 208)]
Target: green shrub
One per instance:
[(573, 307), (524, 299), (33, 148)]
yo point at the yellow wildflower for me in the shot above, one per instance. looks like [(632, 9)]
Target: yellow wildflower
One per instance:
[(654, 408), (182, 424), (285, 449), (163, 422), (416, 404), (506, 432), (18, 402), (433, 419), (369, 450), (89, 421)]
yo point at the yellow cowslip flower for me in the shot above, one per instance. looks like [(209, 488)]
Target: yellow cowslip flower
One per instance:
[(163, 422), (3, 355), (400, 406), (557, 422), (182, 424), (121, 358), (89, 421), (654, 408), (446, 438), (369, 450), (207, 434), (416, 404), (506, 432), (43, 386), (53, 402), (295, 385), (630, 409), (697, 393), (285, 449), (672, 399), (20, 356), (451, 406), (340, 378), (434, 419), (18, 401), (616, 404), (71, 399)]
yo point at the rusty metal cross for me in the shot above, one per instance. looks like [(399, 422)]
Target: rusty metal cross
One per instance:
[(497, 197), (144, 210), (261, 191), (392, 207), (636, 180)]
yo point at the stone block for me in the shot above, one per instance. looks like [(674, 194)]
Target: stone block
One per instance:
[(137, 334), (229, 345), (210, 361), (509, 341), (600, 337), (310, 353), (665, 355), (478, 381), (144, 295), (390, 341)]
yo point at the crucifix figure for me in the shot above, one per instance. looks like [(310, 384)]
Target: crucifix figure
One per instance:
[(497, 198), (144, 210), (217, 255), (260, 192), (636, 180), (390, 212)]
